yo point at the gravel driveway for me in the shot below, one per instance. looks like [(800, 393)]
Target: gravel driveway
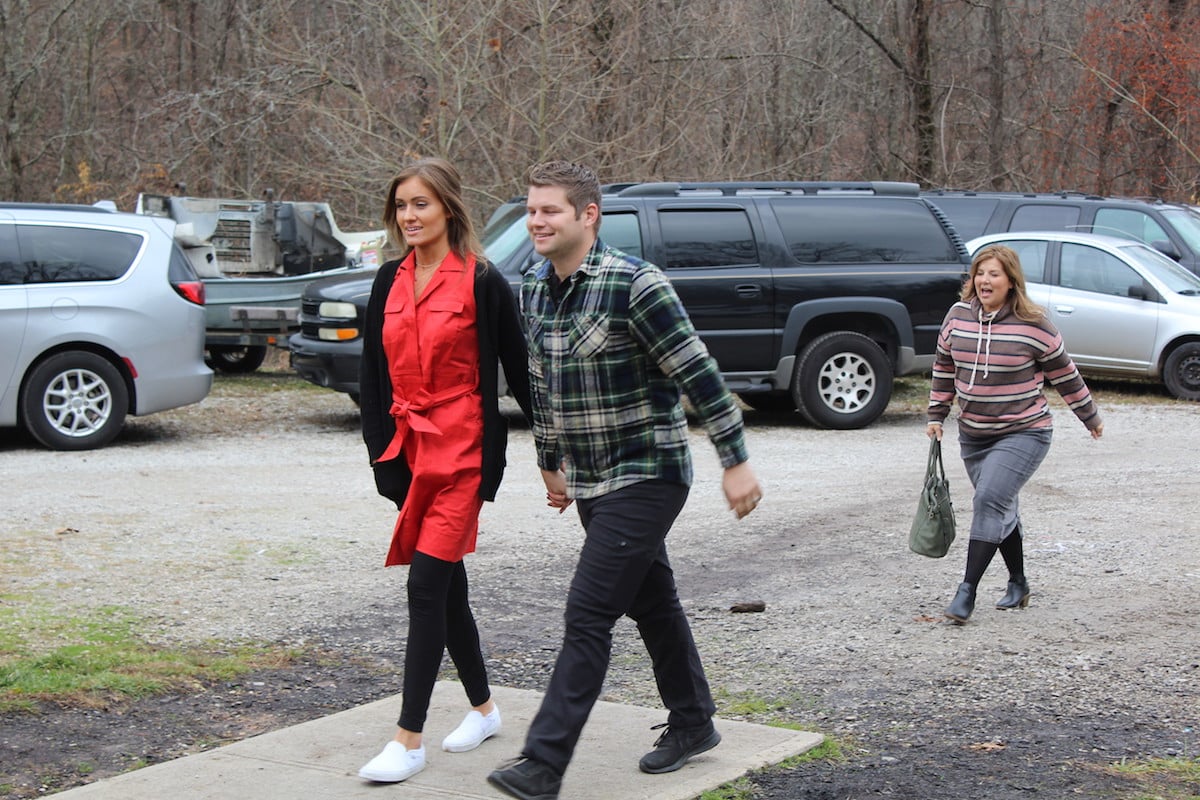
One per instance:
[(253, 516)]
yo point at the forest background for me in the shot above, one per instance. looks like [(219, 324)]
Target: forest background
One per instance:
[(325, 99)]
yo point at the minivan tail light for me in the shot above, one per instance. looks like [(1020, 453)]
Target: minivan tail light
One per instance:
[(192, 291)]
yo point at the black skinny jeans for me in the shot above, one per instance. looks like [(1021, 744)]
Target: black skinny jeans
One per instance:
[(623, 569), (439, 619)]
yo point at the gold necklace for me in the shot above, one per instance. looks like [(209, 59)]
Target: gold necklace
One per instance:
[(429, 266)]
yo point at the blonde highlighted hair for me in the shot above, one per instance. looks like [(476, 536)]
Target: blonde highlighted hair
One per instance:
[(1023, 307)]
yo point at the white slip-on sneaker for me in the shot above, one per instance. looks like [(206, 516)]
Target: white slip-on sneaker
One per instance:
[(472, 731), (394, 764)]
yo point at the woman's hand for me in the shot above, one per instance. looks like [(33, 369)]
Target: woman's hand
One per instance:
[(934, 430), (556, 489), (1098, 431)]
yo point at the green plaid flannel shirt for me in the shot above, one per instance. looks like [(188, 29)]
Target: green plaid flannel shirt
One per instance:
[(606, 367)]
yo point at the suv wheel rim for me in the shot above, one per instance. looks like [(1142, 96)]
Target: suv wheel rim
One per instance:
[(846, 383), (77, 403)]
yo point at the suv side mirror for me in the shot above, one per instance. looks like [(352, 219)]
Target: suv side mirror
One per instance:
[(1167, 249)]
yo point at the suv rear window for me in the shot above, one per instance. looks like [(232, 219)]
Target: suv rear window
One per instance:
[(707, 238), (58, 254), (970, 215), (865, 230), (1129, 224), (1045, 217)]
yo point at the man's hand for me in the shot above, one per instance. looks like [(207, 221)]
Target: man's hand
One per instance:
[(556, 489), (742, 490)]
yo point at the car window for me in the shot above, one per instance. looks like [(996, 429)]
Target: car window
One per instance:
[(621, 230), (1033, 258), (179, 268), (862, 230), (969, 215), (706, 238), (1129, 224), (1093, 270), (1045, 217), (59, 254), (1176, 278), (10, 260)]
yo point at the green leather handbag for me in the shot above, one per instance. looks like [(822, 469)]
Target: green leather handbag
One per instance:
[(933, 526)]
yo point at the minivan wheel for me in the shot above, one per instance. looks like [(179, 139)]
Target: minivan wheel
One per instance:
[(235, 358), (74, 401), (843, 380), (1181, 372)]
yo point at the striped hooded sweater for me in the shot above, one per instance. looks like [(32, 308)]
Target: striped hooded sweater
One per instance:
[(996, 364)]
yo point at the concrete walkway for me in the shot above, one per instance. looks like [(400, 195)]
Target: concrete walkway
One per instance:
[(319, 760)]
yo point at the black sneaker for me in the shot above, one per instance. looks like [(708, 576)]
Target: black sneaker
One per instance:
[(526, 779), (677, 745)]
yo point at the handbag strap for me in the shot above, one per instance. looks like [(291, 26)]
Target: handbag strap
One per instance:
[(935, 458)]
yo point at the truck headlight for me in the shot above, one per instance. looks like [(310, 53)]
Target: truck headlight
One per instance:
[(335, 310)]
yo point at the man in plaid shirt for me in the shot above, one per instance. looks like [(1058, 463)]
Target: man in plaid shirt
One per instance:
[(610, 349)]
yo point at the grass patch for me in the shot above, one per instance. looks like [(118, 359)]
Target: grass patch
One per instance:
[(258, 383), (748, 705), (1162, 778), (829, 750), (96, 659), (741, 789)]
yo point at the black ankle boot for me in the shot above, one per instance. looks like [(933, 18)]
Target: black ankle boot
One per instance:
[(963, 604), (1017, 595)]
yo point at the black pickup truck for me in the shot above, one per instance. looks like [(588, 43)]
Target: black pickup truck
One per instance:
[(810, 295)]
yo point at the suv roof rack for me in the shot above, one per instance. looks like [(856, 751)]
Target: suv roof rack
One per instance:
[(732, 188), (1062, 194)]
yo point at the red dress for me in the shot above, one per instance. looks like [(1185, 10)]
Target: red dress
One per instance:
[(432, 352)]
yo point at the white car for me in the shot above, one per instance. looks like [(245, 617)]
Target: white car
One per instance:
[(101, 315), (1124, 309)]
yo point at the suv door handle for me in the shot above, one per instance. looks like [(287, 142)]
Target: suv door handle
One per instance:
[(1064, 310), (748, 290)]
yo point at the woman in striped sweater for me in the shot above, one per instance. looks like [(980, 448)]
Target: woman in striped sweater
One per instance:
[(995, 351)]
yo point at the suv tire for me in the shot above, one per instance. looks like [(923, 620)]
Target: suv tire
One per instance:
[(842, 381), (1181, 372), (74, 401)]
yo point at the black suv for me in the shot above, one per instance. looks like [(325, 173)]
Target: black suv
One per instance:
[(810, 295), (1172, 229)]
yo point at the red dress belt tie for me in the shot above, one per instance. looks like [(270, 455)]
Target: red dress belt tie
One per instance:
[(409, 413)]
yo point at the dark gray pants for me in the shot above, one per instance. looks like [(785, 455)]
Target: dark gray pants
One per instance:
[(623, 569), (998, 467)]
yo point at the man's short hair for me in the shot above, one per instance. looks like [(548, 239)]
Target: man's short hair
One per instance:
[(578, 181)]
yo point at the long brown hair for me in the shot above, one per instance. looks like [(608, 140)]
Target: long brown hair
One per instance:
[(1010, 262), (440, 176)]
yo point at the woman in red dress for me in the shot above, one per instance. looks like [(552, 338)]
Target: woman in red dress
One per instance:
[(438, 322)]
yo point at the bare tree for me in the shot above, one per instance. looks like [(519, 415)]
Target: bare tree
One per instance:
[(326, 98)]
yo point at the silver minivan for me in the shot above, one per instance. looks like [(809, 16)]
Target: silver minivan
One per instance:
[(101, 315), (1123, 308)]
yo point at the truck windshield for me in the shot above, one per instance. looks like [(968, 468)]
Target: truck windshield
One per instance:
[(505, 233)]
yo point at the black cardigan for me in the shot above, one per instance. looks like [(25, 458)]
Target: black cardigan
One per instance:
[(501, 340)]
